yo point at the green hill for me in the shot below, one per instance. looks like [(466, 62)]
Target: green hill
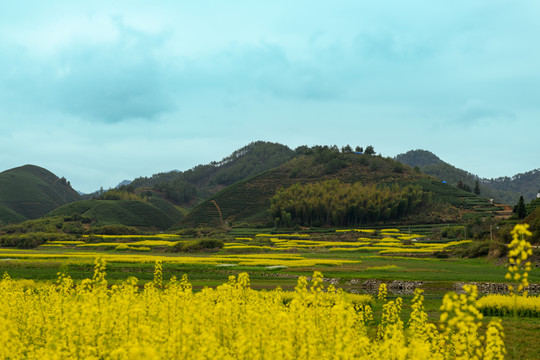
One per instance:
[(121, 212), (174, 212), (249, 200), (505, 190), (194, 185), (29, 191), (8, 216)]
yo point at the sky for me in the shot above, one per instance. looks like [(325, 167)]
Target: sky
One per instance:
[(103, 91)]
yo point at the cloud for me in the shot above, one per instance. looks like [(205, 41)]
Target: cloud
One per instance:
[(477, 113), (110, 82), (263, 69)]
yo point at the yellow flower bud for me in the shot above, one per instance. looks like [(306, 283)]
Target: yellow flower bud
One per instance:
[(444, 317)]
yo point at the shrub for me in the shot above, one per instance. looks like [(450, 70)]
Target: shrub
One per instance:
[(441, 254), (474, 249), (211, 244), (198, 245), (32, 240)]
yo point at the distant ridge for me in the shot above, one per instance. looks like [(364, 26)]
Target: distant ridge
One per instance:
[(506, 190), (29, 191)]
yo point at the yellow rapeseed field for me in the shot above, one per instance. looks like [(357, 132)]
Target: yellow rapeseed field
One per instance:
[(170, 321), (94, 321), (509, 305)]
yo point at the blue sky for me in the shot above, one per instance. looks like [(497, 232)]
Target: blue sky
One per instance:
[(102, 91)]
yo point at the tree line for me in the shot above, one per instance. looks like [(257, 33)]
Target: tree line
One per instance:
[(333, 203)]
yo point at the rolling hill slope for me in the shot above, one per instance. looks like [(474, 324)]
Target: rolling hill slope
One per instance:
[(121, 212), (29, 191)]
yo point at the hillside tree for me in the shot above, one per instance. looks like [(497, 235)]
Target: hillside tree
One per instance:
[(477, 188), (369, 150), (520, 209)]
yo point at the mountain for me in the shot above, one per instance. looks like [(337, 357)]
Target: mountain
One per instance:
[(506, 190), (511, 188), (29, 191), (248, 201), (195, 185)]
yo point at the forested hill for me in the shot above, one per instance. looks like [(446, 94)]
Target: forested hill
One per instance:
[(248, 201), (29, 191), (506, 190), (202, 181)]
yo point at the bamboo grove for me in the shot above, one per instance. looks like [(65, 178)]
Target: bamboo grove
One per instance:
[(335, 203)]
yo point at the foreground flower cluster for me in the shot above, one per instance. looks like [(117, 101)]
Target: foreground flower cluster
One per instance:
[(509, 305), (518, 303), (97, 321)]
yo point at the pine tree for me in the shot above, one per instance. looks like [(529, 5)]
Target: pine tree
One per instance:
[(521, 210), (477, 188)]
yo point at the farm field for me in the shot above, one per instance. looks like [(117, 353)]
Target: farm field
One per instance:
[(346, 259), (270, 259), (264, 269)]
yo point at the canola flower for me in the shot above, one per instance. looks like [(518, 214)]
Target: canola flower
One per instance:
[(247, 247), (289, 260), (158, 236), (408, 237), (171, 321), (389, 230), (388, 244), (368, 231), (520, 250), (384, 267), (381, 296), (385, 245), (282, 235), (509, 305), (133, 243), (72, 242), (518, 303)]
